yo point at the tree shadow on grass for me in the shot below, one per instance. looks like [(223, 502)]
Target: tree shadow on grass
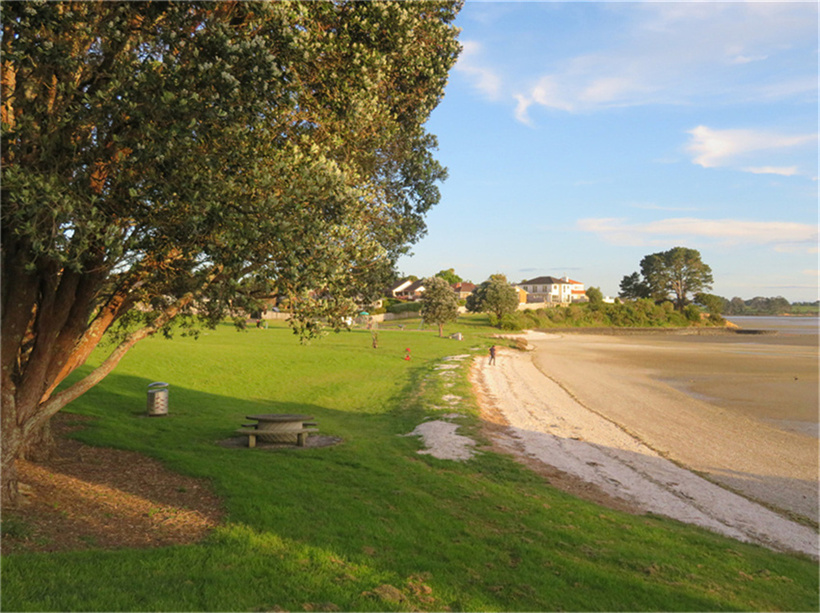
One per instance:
[(352, 518)]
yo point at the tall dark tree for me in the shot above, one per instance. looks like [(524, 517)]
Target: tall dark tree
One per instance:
[(633, 288), (676, 273), (160, 158)]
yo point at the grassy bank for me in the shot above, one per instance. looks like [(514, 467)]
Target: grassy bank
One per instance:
[(642, 313), (369, 524)]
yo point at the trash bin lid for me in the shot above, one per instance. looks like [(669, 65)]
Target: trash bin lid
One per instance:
[(157, 384)]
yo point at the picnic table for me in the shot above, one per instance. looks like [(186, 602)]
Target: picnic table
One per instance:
[(278, 428)]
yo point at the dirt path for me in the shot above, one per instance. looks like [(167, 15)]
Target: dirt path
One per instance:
[(549, 424)]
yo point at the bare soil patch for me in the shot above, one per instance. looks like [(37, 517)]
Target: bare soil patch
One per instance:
[(94, 497)]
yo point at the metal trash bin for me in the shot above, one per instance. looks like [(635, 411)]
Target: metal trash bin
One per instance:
[(157, 399)]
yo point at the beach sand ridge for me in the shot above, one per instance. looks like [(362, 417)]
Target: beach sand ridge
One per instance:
[(569, 406)]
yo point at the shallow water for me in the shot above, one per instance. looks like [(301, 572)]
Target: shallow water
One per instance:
[(770, 377), (782, 325)]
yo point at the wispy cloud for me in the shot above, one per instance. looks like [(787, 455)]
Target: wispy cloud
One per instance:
[(746, 59), (711, 148), (777, 234), (483, 78), (586, 83), (680, 53), (787, 171)]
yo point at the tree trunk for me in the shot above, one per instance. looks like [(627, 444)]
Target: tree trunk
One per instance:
[(10, 492), (26, 418), (9, 452), (40, 445), (46, 334)]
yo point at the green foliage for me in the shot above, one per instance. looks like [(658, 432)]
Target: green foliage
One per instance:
[(713, 304), (759, 306), (173, 148), (633, 288), (595, 297), (692, 312), (805, 308), (677, 272), (439, 303), (449, 275), (404, 307), (329, 528), (494, 296), (644, 313), (195, 157)]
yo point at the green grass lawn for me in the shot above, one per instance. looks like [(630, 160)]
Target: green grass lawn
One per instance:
[(369, 524)]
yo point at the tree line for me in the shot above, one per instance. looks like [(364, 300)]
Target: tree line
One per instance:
[(760, 305)]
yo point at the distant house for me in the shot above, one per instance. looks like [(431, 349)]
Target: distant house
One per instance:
[(412, 291), (550, 289), (522, 294), (396, 289), (463, 289)]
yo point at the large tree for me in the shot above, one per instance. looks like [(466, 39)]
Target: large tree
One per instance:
[(676, 273), (439, 303), (161, 160), (495, 296)]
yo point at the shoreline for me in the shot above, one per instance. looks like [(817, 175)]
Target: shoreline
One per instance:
[(593, 407), (671, 331)]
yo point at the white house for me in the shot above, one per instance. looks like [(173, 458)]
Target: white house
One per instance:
[(550, 289), (411, 291), (396, 289)]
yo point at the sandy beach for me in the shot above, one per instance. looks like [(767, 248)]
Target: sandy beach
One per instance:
[(715, 431)]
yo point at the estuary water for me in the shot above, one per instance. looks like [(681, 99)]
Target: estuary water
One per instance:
[(782, 325)]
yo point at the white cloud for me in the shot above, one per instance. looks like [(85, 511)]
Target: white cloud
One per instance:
[(523, 104), (711, 148), (786, 171), (484, 79), (746, 59), (778, 234), (586, 84)]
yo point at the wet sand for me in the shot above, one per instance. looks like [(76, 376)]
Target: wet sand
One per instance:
[(743, 412), (642, 416)]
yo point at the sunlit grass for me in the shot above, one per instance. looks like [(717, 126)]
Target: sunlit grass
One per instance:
[(369, 524)]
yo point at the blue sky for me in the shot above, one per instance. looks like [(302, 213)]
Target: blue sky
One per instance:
[(580, 137)]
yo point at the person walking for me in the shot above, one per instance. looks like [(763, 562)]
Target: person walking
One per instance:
[(492, 355)]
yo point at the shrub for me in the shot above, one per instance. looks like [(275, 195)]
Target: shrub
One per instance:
[(404, 307), (716, 319), (691, 312), (510, 321)]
